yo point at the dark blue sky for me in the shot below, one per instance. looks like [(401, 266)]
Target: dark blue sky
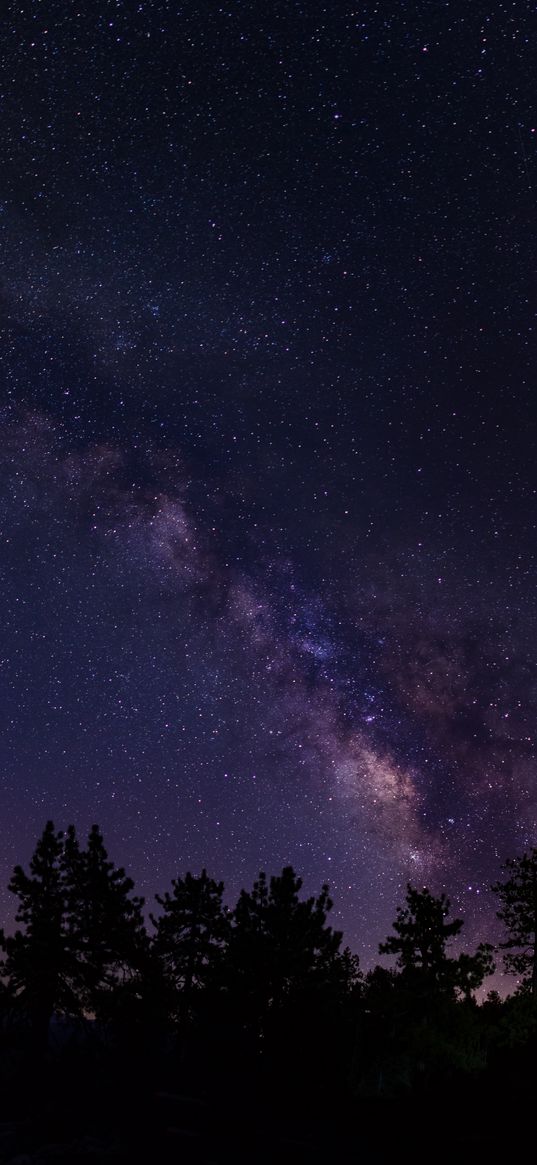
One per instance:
[(267, 457)]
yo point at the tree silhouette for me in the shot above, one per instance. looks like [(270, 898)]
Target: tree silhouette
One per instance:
[(281, 945), (104, 926), (36, 964), (518, 896), (420, 1021), (82, 931), (422, 935), (191, 937)]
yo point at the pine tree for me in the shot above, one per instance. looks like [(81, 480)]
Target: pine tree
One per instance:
[(37, 965), (420, 1018), (105, 929), (422, 935), (421, 932), (282, 945), (191, 936), (81, 936), (518, 896)]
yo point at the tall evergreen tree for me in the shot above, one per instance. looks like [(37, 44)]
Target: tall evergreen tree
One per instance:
[(422, 935), (104, 926), (191, 936), (420, 1018), (518, 897), (36, 963), (281, 945), (82, 933)]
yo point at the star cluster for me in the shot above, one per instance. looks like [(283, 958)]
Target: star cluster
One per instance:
[(267, 457)]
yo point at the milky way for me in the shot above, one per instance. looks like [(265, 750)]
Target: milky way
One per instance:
[(267, 443)]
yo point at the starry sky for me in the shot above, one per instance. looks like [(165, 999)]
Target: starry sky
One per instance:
[(267, 442)]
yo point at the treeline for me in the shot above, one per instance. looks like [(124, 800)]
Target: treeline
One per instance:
[(264, 987)]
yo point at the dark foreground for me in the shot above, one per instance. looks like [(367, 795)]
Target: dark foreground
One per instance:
[(78, 1107)]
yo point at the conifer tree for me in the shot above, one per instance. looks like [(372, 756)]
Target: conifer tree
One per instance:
[(104, 925), (518, 896), (191, 936), (281, 944), (36, 964), (422, 935), (81, 935)]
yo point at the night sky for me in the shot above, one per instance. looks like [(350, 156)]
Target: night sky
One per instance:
[(268, 467)]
